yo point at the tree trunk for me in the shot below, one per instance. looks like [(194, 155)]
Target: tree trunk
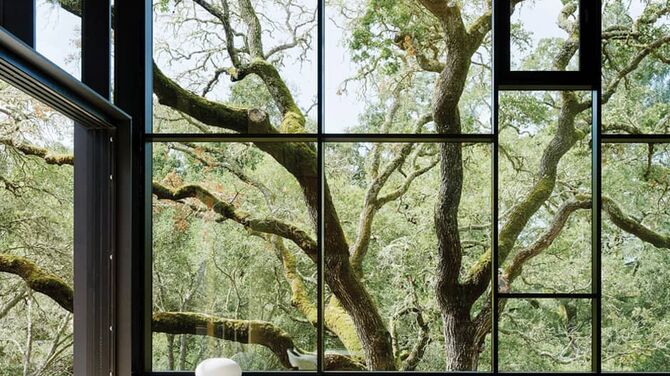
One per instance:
[(170, 351), (460, 350)]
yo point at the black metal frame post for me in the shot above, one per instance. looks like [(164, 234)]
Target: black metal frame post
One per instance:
[(18, 17), (93, 319), (100, 182), (133, 93)]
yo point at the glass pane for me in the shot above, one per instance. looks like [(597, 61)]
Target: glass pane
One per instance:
[(545, 335), (545, 36), (636, 73), (58, 35), (544, 192), (382, 63), (636, 238), (227, 281), (36, 236), (383, 201), (244, 67)]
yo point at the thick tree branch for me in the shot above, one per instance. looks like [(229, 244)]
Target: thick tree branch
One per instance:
[(293, 120), (449, 14), (48, 156), (208, 112), (38, 280), (631, 226), (226, 210), (254, 31), (336, 319), (243, 331), (300, 298), (518, 217), (547, 238)]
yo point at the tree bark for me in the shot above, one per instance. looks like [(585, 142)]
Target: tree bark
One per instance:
[(461, 351)]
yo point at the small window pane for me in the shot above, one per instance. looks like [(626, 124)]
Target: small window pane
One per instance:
[(544, 191), (636, 280), (58, 35), (258, 56), (545, 36), (36, 236), (226, 280), (382, 63), (391, 234), (545, 335)]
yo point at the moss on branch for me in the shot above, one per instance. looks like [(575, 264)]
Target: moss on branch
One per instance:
[(38, 280), (208, 112)]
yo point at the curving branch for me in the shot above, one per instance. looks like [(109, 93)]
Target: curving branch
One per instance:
[(228, 211), (243, 331), (293, 120), (633, 64), (300, 298), (38, 280), (212, 113), (634, 227), (547, 238), (223, 15), (48, 156), (615, 214), (566, 136)]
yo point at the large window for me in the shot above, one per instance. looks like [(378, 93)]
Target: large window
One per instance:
[(360, 181), (405, 185)]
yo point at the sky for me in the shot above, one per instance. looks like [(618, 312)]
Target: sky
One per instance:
[(58, 30)]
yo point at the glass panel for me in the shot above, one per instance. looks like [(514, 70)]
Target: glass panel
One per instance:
[(227, 281), (58, 35), (636, 73), (239, 63), (545, 187), (36, 236), (382, 213), (544, 335), (545, 36), (382, 63), (636, 238)]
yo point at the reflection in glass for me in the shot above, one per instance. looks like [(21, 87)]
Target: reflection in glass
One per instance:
[(231, 272), (636, 239), (58, 34)]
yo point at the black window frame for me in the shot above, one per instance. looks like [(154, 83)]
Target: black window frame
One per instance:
[(102, 176), (122, 291), (586, 78)]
